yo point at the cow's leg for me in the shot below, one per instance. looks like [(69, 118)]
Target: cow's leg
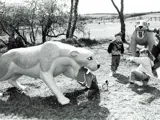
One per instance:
[(50, 82), (13, 81)]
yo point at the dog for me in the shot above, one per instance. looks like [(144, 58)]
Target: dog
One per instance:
[(45, 62), (141, 37)]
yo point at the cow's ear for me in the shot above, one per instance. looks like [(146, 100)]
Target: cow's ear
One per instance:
[(74, 53)]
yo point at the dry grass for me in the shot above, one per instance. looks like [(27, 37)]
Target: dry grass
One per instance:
[(119, 103)]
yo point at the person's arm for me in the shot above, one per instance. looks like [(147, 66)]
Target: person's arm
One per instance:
[(110, 47), (122, 49), (139, 60), (155, 30)]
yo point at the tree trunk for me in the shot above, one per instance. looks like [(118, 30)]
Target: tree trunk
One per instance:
[(45, 29), (123, 27), (73, 26), (121, 17), (70, 20)]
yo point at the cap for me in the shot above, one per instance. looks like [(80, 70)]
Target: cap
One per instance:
[(144, 50), (118, 34)]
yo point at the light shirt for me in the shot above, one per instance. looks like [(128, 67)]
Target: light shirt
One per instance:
[(145, 65)]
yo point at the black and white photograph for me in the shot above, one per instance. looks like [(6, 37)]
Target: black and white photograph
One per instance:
[(79, 60)]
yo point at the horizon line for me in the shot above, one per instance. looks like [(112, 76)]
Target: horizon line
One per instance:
[(117, 13)]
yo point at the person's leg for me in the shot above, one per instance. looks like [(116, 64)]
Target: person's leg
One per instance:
[(113, 65), (135, 76), (145, 79), (117, 62), (132, 79)]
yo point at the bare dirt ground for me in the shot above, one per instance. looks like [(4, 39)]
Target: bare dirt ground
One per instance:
[(118, 103)]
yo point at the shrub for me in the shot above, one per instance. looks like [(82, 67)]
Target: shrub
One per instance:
[(87, 41)]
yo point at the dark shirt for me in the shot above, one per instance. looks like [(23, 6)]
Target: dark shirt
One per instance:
[(116, 47)]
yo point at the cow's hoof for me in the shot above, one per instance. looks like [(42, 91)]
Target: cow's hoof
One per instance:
[(64, 101)]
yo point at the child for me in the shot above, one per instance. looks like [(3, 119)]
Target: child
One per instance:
[(116, 49), (144, 70)]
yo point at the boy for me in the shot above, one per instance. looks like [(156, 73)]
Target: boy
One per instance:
[(144, 70), (116, 48)]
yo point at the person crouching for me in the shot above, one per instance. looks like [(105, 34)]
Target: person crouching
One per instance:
[(144, 71)]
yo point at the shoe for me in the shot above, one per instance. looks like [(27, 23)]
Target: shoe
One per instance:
[(131, 85), (111, 74)]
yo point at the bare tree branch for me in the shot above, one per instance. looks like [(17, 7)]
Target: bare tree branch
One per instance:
[(3, 42), (3, 28), (121, 17), (115, 6), (57, 35)]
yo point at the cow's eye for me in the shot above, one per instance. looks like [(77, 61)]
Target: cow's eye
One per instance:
[(90, 58)]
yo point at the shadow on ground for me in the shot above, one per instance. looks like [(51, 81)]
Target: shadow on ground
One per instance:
[(19, 104), (155, 93), (121, 78)]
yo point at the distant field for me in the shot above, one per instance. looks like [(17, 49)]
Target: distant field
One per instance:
[(108, 30), (105, 29)]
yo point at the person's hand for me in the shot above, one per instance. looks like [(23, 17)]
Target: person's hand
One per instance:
[(129, 59), (158, 36)]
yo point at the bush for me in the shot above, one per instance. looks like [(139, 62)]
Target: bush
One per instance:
[(87, 41), (82, 42)]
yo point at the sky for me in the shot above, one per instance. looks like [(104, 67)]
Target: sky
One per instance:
[(105, 6)]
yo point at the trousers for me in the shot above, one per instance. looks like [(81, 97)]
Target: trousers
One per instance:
[(115, 62)]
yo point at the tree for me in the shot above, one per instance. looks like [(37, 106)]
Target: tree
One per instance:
[(27, 20), (121, 17), (1, 13), (51, 19), (12, 19), (72, 19)]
